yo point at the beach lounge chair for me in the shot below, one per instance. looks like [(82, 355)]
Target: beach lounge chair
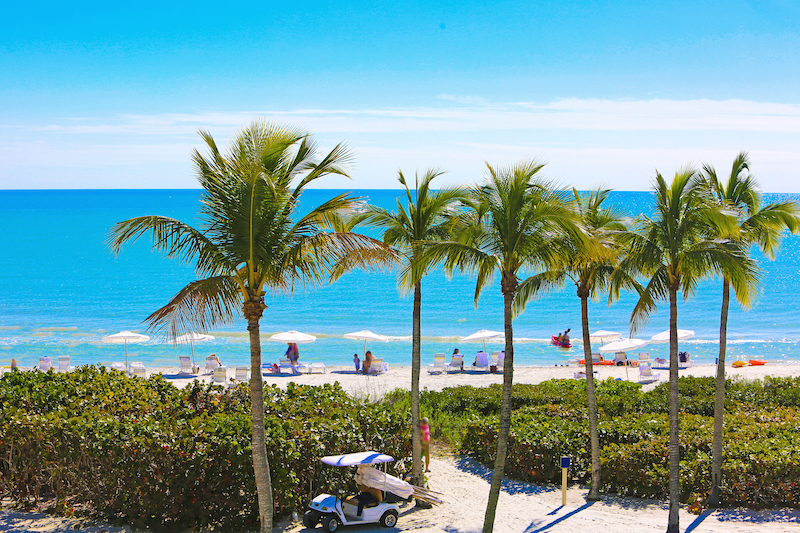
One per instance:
[(286, 367), (582, 374), (63, 364), (186, 365), (495, 359), (456, 363), (219, 376), (45, 364), (317, 367), (620, 359), (646, 374), (481, 362), (438, 365), (138, 370), (644, 358), (241, 374), (212, 362), (378, 367)]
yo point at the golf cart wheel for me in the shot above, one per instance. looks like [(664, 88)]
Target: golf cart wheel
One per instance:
[(311, 519), (389, 518), (330, 523)]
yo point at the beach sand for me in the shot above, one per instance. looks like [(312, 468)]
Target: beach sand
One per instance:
[(523, 507)]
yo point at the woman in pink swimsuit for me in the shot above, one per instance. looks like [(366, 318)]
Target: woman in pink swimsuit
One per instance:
[(426, 442)]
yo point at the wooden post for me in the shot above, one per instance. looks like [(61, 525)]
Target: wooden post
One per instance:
[(564, 467)]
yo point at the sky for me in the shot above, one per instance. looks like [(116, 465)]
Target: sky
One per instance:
[(105, 95)]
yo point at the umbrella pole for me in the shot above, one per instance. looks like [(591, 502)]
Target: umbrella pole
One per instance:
[(191, 344), (365, 347)]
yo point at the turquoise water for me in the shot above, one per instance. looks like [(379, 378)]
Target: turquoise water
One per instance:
[(61, 291)]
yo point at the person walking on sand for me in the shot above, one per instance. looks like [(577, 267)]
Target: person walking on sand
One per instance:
[(425, 430)]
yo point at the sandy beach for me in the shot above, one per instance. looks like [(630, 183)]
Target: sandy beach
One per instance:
[(523, 507), (375, 386)]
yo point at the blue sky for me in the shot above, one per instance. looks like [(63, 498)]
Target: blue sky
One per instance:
[(100, 96)]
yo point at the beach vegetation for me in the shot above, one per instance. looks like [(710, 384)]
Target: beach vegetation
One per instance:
[(254, 238), (422, 216), (759, 226), (513, 218), (673, 251), (145, 453)]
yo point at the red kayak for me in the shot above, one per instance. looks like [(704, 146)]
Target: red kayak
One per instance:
[(559, 343)]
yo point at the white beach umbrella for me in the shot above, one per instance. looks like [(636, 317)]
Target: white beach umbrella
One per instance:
[(623, 345), (126, 337), (191, 338), (664, 335), (365, 335), (603, 335), (293, 336), (483, 335)]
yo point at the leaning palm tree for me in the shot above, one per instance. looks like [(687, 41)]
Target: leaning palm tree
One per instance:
[(512, 220), (252, 239), (674, 251), (757, 225), (588, 262), (423, 216)]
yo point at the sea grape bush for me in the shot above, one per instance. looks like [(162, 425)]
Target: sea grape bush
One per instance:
[(762, 435), (154, 456)]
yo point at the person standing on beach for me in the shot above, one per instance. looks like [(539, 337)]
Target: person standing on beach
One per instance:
[(425, 430), (357, 362)]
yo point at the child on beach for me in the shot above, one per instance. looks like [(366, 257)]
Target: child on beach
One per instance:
[(425, 429), (357, 362)]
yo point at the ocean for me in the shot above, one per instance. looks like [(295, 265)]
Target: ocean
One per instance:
[(62, 290)]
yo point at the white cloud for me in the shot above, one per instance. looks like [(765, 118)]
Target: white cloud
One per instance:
[(618, 142)]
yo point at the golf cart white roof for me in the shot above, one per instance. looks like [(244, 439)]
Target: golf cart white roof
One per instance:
[(360, 458)]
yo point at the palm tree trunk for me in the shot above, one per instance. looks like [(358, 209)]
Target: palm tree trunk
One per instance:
[(505, 415), (591, 402), (415, 369), (253, 310), (674, 406), (719, 400)]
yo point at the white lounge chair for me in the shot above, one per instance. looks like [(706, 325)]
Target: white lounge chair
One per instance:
[(438, 365), (219, 376), (63, 364), (456, 363), (241, 374), (582, 374), (317, 367), (481, 362), (644, 358), (646, 374), (212, 362), (620, 359), (495, 359), (378, 367), (286, 367), (138, 370), (45, 364), (186, 365)]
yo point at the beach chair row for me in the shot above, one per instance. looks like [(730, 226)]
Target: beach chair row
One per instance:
[(483, 363)]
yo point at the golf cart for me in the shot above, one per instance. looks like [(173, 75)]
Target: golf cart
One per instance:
[(377, 487)]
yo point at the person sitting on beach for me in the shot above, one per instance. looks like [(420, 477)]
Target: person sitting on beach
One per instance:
[(368, 357), (481, 359), (357, 362)]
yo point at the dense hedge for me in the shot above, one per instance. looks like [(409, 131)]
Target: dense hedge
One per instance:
[(152, 455), (761, 465)]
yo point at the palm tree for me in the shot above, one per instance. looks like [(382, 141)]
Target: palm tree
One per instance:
[(511, 222), (426, 216), (588, 262), (251, 238), (759, 226), (674, 251)]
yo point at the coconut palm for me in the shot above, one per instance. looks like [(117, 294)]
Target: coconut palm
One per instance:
[(251, 239), (423, 216), (513, 218), (757, 225), (588, 262), (674, 251)]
